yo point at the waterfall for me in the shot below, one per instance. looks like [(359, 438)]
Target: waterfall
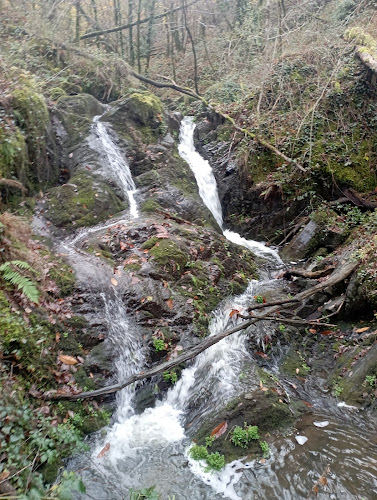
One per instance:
[(210, 381), (208, 190), (115, 162)]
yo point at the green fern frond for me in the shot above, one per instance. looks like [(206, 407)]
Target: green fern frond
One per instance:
[(23, 283)]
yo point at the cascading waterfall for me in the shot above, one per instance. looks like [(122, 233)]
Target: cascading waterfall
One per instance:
[(151, 448), (115, 162), (210, 379), (208, 189)]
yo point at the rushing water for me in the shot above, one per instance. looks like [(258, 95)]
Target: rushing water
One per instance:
[(115, 163), (151, 448)]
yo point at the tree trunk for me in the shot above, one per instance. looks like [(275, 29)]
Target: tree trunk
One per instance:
[(138, 40), (150, 35), (78, 13), (196, 78), (130, 33)]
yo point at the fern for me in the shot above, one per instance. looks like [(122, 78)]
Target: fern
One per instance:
[(23, 283)]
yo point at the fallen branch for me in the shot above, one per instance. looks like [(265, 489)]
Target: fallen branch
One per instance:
[(308, 274), (135, 23), (358, 200), (168, 365), (340, 273)]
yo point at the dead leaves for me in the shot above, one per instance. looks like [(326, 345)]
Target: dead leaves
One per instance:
[(220, 430), (361, 330), (68, 360), (114, 282), (169, 303), (104, 450), (233, 312)]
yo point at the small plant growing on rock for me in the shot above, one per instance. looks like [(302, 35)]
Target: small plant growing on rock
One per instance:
[(242, 436), (198, 452), (210, 440), (171, 377), (215, 461), (158, 344), (265, 448)]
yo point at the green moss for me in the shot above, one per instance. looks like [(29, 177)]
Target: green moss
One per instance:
[(147, 245), (64, 278), (13, 151), (85, 201), (30, 110), (151, 206), (168, 253), (56, 92)]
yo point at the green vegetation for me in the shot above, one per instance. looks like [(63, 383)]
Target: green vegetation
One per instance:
[(171, 377), (265, 448), (9, 272), (214, 461), (158, 344), (243, 436), (144, 494)]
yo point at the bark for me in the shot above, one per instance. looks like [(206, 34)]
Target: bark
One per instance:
[(196, 79), (130, 33), (77, 36), (342, 271), (150, 34), (289, 273), (357, 199), (138, 40), (132, 24)]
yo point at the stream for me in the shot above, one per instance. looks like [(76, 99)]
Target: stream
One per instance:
[(151, 448)]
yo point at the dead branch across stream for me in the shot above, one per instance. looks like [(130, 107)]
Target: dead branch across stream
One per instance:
[(342, 271)]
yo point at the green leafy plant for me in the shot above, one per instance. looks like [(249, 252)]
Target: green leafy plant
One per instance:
[(158, 344), (259, 299), (144, 494), (242, 436), (171, 377), (210, 440), (9, 271), (198, 452), (371, 380), (215, 461), (265, 448), (282, 327)]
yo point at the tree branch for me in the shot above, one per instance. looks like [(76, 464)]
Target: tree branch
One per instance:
[(342, 271), (135, 23)]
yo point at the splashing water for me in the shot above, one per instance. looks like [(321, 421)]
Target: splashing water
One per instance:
[(116, 163)]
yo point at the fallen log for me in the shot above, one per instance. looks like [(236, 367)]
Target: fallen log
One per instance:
[(301, 273), (358, 200)]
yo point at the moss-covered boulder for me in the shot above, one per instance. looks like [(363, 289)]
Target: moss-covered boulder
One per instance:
[(142, 110), (84, 201), (263, 409)]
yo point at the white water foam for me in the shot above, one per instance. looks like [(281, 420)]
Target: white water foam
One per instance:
[(116, 163)]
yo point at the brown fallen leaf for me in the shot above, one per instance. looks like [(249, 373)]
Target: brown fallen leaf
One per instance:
[(114, 282), (219, 430), (327, 332), (307, 404), (68, 360), (233, 312), (323, 481), (359, 330), (170, 303), (104, 450), (4, 475), (57, 337), (262, 355)]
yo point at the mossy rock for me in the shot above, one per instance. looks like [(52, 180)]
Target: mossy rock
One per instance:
[(262, 409), (168, 253), (85, 201), (64, 278), (151, 206), (143, 111)]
